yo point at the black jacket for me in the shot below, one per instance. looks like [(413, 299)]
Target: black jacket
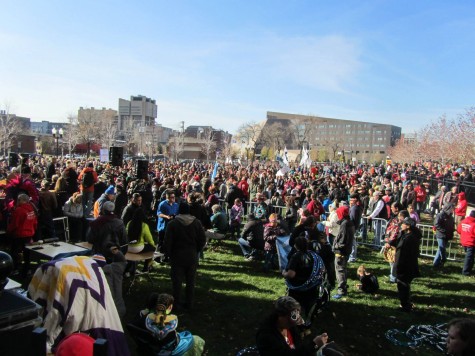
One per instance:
[(105, 232), (407, 254), (270, 341), (445, 225), (184, 238), (344, 240), (253, 231)]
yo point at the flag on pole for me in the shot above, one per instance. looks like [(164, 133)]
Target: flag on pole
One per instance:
[(215, 171), (303, 160), (285, 159)]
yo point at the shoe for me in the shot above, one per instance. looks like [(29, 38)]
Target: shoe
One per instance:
[(352, 260), (338, 296), (250, 258)]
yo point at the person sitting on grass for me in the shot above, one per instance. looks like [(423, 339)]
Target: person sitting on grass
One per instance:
[(252, 239), (158, 320), (369, 282), (219, 223), (279, 333), (461, 337)]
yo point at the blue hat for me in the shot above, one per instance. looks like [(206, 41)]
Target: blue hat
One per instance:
[(110, 190)]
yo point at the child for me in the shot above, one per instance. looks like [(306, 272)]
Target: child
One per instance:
[(158, 320), (235, 215), (461, 337), (413, 214), (369, 282)]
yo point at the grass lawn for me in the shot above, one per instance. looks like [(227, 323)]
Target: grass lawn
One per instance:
[(233, 295)]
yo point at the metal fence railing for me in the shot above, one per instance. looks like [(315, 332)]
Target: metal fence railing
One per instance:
[(464, 186), (429, 245), (372, 233), (377, 228)]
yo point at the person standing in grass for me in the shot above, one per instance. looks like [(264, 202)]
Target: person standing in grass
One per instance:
[(184, 239), (444, 231), (466, 229), (392, 233), (406, 261), (342, 246)]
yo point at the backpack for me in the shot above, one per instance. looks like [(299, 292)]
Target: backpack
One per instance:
[(87, 179)]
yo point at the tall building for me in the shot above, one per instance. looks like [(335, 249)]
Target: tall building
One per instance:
[(358, 139), (97, 114), (139, 111)]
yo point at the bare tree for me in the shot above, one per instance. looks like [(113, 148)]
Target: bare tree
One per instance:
[(249, 134), (273, 137), (10, 128), (88, 129), (71, 135), (176, 145), (465, 132), (129, 135), (208, 143), (227, 149), (302, 130), (108, 130)]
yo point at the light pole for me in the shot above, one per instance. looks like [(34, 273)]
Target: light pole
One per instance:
[(57, 134)]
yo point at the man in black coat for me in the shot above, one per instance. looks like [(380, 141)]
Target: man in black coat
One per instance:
[(342, 246), (406, 261), (444, 225), (252, 238), (108, 235), (184, 239)]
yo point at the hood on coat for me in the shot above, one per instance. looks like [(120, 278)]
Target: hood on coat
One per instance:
[(342, 212), (185, 219), (461, 196)]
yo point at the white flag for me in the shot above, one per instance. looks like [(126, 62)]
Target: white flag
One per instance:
[(285, 159)]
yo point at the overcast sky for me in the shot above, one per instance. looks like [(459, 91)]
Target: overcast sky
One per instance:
[(225, 63)]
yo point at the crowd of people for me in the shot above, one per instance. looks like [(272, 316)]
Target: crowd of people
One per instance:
[(175, 208)]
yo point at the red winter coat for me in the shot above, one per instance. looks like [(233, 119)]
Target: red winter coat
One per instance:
[(420, 194), (23, 221), (466, 229), (461, 208)]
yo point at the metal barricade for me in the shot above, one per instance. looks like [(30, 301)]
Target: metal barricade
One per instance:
[(429, 245), (371, 232), (62, 227)]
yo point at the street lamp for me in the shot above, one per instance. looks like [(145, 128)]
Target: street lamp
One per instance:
[(57, 134)]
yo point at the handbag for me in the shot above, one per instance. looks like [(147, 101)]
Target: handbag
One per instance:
[(389, 254)]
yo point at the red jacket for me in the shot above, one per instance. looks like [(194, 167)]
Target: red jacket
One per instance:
[(420, 194), (461, 208), (94, 174), (23, 221), (466, 229)]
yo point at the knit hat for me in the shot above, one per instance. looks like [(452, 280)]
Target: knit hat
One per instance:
[(110, 190), (108, 207), (76, 344)]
